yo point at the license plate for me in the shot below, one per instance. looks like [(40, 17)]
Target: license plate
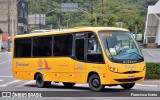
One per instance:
[(131, 77)]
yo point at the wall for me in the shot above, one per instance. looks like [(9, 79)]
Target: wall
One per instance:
[(4, 18), (158, 34), (22, 19), (152, 31), (0, 41)]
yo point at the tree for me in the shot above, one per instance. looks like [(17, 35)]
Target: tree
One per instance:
[(107, 12)]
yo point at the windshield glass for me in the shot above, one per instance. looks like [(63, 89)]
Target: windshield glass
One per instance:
[(120, 45)]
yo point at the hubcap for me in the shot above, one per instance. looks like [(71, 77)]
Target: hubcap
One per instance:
[(95, 83), (39, 80)]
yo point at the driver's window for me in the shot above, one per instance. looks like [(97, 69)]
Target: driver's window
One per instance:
[(132, 45), (94, 52), (93, 46), (125, 44)]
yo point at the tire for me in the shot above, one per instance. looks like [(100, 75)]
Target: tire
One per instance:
[(41, 83), (95, 83), (127, 86), (66, 84)]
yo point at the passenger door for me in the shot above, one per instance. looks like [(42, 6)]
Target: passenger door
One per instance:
[(80, 66)]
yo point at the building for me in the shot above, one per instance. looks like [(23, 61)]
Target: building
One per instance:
[(18, 18), (22, 16), (1, 38), (36, 21), (152, 31)]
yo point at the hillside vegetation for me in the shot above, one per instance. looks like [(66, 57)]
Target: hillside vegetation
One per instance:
[(107, 12)]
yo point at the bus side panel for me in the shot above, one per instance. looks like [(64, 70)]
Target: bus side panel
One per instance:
[(62, 68), (52, 69), (101, 69), (24, 68), (23, 75)]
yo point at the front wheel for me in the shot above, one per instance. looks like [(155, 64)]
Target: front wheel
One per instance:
[(41, 83), (95, 83), (127, 86)]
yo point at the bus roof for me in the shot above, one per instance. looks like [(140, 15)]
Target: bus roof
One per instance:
[(74, 30)]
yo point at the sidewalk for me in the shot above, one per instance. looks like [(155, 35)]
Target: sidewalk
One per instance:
[(151, 82), (3, 51)]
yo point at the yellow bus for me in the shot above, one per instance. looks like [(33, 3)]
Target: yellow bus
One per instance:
[(99, 56)]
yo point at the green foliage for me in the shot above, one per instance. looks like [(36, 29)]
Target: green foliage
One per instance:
[(107, 12), (153, 71)]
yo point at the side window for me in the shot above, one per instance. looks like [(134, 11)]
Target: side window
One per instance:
[(22, 47), (42, 46), (80, 49), (62, 45), (93, 46), (94, 53)]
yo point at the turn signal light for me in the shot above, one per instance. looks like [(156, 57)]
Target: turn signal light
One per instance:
[(144, 67)]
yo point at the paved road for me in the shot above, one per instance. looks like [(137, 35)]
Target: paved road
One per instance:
[(151, 55), (8, 83)]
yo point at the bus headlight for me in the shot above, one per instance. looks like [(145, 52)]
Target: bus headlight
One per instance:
[(116, 70), (113, 69)]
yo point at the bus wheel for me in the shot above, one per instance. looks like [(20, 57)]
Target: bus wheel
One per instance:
[(66, 84), (40, 82), (127, 86), (94, 83)]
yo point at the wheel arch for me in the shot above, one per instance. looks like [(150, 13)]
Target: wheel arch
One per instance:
[(36, 75), (91, 73)]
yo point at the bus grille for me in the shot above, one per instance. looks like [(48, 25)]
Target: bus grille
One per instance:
[(130, 72), (128, 80)]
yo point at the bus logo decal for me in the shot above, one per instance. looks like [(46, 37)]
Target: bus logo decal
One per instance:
[(40, 63), (22, 64)]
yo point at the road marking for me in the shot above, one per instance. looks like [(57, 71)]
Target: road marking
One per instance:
[(1, 80), (5, 53), (75, 84), (83, 85), (152, 81), (31, 82), (149, 53), (5, 76), (26, 83), (147, 85), (6, 84), (5, 62)]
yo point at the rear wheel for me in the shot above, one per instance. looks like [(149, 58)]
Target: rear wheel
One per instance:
[(95, 83), (66, 84), (127, 86), (41, 83)]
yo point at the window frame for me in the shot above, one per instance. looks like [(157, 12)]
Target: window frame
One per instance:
[(86, 47), (15, 55), (20, 13), (51, 36), (84, 50), (87, 40), (52, 55), (73, 55), (62, 35)]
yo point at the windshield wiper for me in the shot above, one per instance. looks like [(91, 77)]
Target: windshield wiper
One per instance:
[(136, 54), (108, 49)]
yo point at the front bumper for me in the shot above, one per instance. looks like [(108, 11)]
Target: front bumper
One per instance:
[(117, 78)]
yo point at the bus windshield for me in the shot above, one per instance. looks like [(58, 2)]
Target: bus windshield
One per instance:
[(120, 46)]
